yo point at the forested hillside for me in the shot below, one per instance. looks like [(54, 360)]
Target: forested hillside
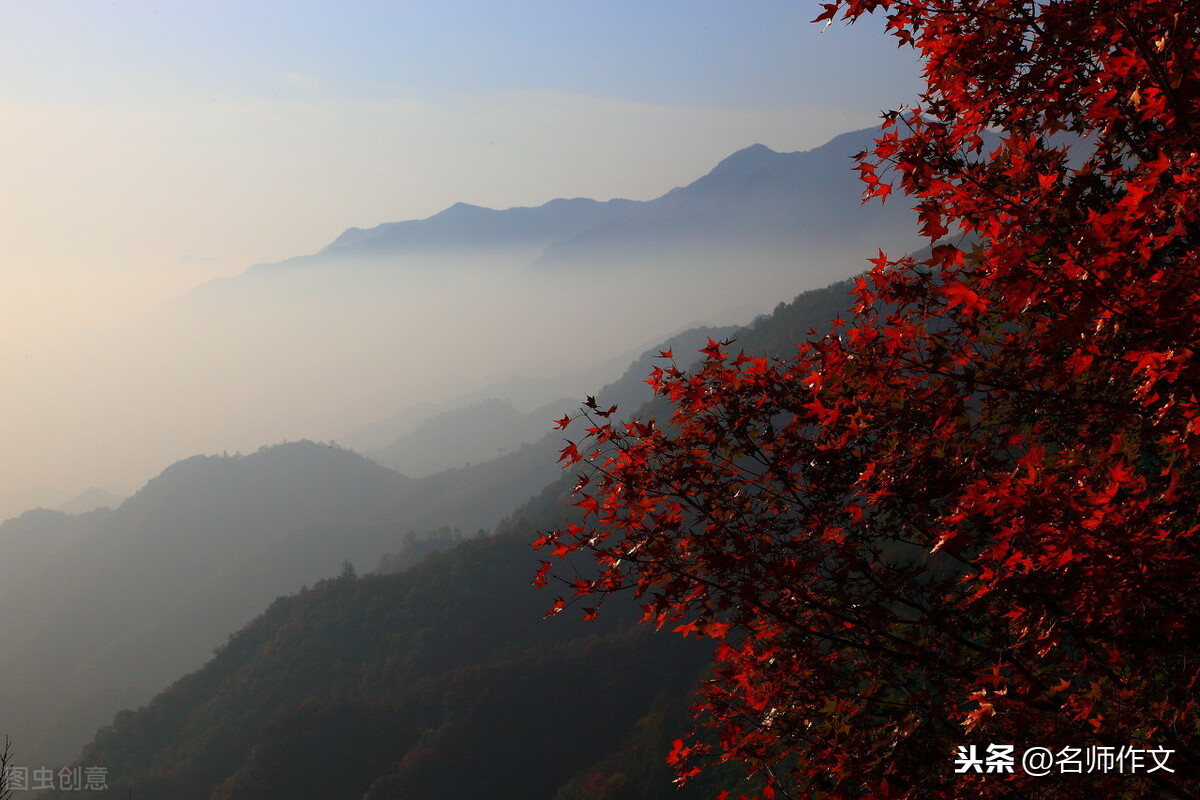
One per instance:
[(441, 680)]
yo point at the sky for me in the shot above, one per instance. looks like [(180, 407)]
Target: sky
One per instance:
[(146, 147)]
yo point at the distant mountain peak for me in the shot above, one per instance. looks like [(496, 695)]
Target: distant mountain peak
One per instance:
[(756, 156), (748, 157), (461, 209), (91, 499)]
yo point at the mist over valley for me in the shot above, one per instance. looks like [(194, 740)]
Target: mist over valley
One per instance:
[(440, 348)]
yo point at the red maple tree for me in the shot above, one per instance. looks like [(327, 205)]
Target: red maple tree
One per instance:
[(962, 526)]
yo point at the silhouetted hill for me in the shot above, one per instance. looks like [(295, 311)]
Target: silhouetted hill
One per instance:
[(104, 608), (443, 681)]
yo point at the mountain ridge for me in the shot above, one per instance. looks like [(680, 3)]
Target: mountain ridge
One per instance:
[(747, 181)]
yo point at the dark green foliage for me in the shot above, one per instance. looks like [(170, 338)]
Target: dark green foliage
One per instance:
[(400, 680), (416, 547), (792, 323)]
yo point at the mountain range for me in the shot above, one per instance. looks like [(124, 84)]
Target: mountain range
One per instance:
[(756, 200), (426, 311), (429, 678), (436, 658)]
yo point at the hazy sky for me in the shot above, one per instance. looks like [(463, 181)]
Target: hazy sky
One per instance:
[(148, 146)]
